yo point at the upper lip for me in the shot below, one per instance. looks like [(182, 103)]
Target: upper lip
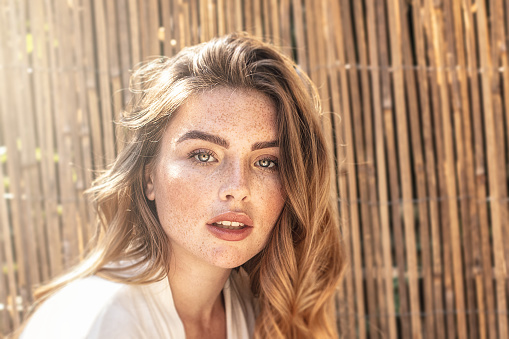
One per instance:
[(232, 216)]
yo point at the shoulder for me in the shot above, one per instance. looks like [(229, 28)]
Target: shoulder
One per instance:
[(84, 309)]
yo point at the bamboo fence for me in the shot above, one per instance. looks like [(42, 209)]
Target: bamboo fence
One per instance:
[(418, 96)]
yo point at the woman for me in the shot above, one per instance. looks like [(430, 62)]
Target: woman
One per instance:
[(216, 218)]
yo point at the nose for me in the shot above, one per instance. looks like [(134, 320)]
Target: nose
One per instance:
[(235, 183)]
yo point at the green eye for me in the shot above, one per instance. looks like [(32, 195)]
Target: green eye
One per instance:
[(268, 164), (203, 157)]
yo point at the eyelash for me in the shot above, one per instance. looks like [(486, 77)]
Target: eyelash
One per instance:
[(194, 154), (275, 168)]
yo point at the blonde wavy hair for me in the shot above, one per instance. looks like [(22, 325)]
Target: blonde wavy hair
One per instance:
[(296, 275)]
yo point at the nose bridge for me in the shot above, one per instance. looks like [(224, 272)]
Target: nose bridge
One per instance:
[(236, 181)]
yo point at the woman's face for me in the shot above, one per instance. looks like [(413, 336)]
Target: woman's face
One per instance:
[(215, 181)]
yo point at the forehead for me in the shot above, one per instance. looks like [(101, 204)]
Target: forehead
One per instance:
[(226, 111)]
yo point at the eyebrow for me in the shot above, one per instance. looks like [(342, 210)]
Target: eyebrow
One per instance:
[(194, 134), (265, 144)]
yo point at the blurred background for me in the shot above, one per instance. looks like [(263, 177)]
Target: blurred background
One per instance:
[(416, 102)]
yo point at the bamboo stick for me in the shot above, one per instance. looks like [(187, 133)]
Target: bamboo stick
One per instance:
[(267, 32), (193, 22), (404, 164), (258, 23), (353, 212), (114, 57), (450, 176), (435, 298), (441, 265), (344, 299), (104, 82), (300, 37), (248, 16), (394, 190), (152, 21), (54, 234), (311, 41), (470, 221), (498, 59), (184, 25), (5, 319), (63, 115), (212, 10), (275, 32), (395, 195), (9, 255), (29, 171), (8, 246), (419, 176), (498, 210), (134, 32), (285, 29), (204, 21), (321, 74), (381, 176), (144, 30), (444, 269), (10, 133), (221, 17), (82, 128), (43, 111), (124, 39), (371, 225), (92, 113)]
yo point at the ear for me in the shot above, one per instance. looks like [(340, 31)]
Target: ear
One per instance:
[(149, 184)]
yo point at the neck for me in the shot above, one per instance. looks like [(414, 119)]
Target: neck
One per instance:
[(196, 288)]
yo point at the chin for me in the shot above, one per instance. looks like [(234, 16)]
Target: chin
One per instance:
[(229, 260)]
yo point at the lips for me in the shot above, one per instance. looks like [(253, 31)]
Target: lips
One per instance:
[(231, 217), (230, 226)]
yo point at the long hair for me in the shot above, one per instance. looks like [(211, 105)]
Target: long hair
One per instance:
[(296, 275)]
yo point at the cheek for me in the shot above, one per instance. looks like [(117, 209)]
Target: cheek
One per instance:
[(178, 195), (272, 199)]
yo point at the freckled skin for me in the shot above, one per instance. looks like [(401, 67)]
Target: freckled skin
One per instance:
[(188, 191)]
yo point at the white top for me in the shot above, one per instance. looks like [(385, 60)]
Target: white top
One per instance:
[(94, 307)]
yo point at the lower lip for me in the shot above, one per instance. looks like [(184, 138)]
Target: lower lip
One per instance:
[(228, 234)]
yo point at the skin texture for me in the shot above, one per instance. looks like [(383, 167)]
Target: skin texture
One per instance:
[(192, 181), (189, 192)]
